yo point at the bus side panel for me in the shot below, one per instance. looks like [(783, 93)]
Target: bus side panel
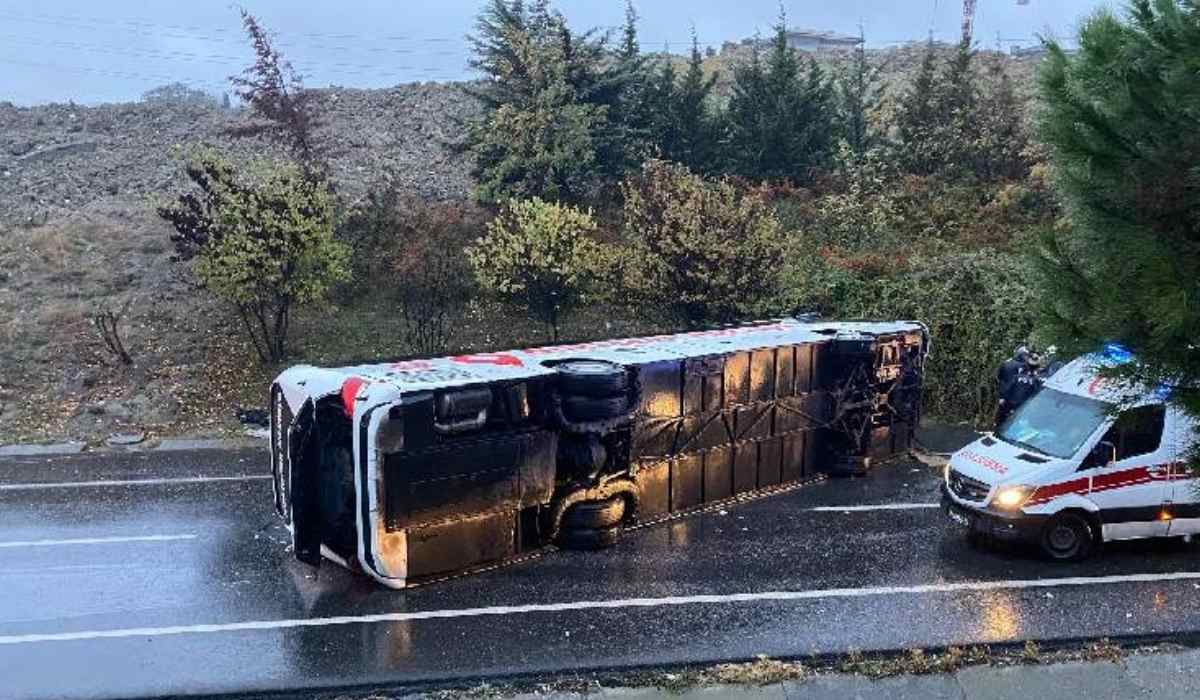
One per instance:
[(713, 427)]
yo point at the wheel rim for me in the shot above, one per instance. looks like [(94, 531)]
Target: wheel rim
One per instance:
[(1063, 538)]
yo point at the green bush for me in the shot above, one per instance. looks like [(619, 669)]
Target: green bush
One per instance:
[(262, 242), (979, 306), (540, 256), (697, 251)]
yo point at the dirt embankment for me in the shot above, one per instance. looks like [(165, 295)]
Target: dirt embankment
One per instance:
[(78, 233)]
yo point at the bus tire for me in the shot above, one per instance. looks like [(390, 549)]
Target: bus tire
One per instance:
[(595, 514), (589, 538), (585, 409), (592, 378), (1067, 537)]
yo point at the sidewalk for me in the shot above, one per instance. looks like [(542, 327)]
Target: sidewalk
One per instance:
[(1161, 676)]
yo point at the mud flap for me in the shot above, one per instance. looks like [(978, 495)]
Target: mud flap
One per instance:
[(305, 486)]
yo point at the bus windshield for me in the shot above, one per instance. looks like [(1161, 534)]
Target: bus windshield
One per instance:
[(1053, 423)]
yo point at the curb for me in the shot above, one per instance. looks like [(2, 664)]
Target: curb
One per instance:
[(61, 449), (40, 450), (619, 675)]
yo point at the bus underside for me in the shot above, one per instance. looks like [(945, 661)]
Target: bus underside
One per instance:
[(410, 486)]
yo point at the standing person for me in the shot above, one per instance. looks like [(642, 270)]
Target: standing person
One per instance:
[(1028, 381), (1007, 378)]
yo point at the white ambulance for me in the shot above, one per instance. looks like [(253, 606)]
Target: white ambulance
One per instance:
[(1084, 461)]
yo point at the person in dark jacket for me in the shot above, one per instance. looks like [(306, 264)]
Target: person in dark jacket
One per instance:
[(1016, 380)]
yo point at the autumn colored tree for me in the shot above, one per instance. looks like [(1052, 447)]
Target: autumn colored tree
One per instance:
[(282, 107)]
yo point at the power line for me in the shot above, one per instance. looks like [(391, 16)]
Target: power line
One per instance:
[(231, 62), (127, 75), (202, 33)]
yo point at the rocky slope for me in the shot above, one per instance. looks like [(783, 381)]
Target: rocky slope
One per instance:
[(78, 235), (55, 160)]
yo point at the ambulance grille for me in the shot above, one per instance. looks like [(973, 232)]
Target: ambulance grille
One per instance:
[(967, 488)]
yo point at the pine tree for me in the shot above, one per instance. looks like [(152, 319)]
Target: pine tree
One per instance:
[(917, 119), (781, 114), (561, 110), (684, 124), (958, 107), (858, 95), (1122, 121), (1002, 134)]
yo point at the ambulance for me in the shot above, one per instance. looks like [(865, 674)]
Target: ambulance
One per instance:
[(1086, 460)]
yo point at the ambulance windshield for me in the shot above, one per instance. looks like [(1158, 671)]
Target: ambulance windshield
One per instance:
[(1053, 423)]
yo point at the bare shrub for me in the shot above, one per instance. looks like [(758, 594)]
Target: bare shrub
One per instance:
[(411, 250), (107, 323)]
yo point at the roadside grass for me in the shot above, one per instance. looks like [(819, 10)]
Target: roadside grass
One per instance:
[(765, 671)]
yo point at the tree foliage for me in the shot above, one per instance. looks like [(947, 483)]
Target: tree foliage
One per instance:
[(781, 115), (685, 125), (410, 252), (955, 123), (562, 110), (263, 243), (180, 94), (539, 255), (858, 94), (276, 96), (697, 251), (1122, 121)]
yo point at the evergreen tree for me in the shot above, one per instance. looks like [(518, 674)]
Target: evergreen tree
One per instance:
[(957, 102), (858, 95), (684, 125), (561, 111), (781, 114), (919, 150), (1122, 120), (1003, 137), (952, 122)]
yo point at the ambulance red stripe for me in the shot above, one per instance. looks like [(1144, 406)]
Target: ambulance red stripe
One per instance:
[(1135, 476)]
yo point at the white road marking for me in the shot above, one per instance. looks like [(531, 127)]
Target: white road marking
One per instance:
[(130, 482), (502, 610), (97, 540), (866, 509)]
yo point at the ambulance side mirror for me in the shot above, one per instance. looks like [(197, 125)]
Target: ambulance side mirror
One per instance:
[(1103, 454)]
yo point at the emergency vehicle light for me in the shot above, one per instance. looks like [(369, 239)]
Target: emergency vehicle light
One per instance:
[(1117, 352)]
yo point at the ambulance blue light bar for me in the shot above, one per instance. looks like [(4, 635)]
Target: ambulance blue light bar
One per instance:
[(1117, 352)]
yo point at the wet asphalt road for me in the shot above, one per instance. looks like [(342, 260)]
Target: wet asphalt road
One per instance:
[(124, 576)]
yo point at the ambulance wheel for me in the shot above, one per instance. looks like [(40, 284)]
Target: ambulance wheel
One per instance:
[(584, 409), (592, 378), (1067, 537), (589, 538), (595, 514)]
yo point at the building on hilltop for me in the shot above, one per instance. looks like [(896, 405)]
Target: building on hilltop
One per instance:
[(812, 40), (1028, 51)]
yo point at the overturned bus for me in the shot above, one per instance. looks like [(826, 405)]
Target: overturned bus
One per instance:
[(425, 468)]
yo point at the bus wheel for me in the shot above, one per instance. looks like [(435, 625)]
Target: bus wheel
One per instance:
[(595, 514), (1067, 537), (593, 378), (589, 538)]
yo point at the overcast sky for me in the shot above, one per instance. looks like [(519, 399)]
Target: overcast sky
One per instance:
[(109, 50)]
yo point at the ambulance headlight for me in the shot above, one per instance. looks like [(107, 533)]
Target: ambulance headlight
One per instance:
[(1012, 497)]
